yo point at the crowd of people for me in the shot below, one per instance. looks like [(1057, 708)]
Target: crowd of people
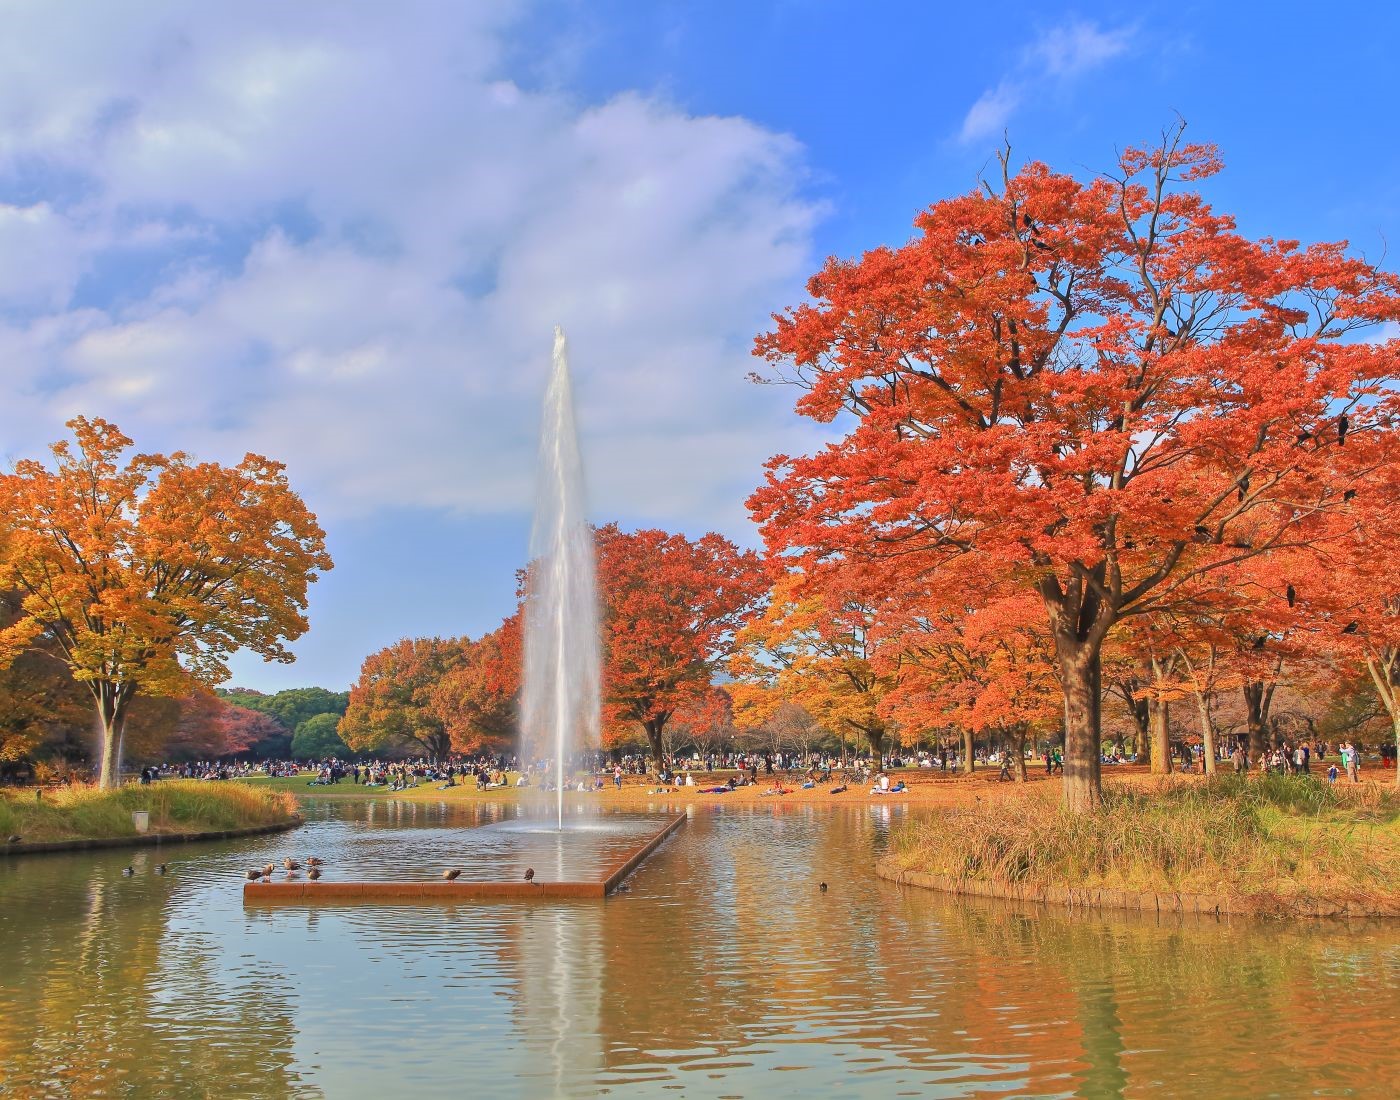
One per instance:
[(594, 770)]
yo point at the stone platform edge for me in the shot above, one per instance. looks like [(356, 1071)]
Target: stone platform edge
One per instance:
[(145, 840), (433, 889), (1204, 905)]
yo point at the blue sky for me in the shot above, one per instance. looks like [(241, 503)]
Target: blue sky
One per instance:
[(339, 234)]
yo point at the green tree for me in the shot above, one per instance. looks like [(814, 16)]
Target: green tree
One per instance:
[(316, 738)]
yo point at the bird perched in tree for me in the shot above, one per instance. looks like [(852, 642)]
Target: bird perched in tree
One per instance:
[(291, 865), (253, 876), (313, 874), (529, 874), (451, 873)]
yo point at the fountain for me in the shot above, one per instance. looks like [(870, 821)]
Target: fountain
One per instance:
[(561, 694), (560, 714)]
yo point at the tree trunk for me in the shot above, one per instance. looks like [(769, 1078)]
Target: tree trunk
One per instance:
[(1257, 698), (1161, 736), (112, 701), (1207, 735), (655, 728), (1140, 711), (1018, 773), (1384, 667), (1081, 678), (967, 765), (875, 737)]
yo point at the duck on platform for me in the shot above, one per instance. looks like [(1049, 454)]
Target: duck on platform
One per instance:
[(529, 874), (451, 873), (253, 876), (313, 874)]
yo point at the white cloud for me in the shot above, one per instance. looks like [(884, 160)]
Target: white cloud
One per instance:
[(354, 237), (1067, 52), (991, 112), (1060, 56)]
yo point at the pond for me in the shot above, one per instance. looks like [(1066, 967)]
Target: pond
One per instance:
[(724, 971)]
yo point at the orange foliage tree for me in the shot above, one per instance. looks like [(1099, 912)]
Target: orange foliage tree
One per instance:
[(1353, 605), (441, 695), (1100, 389), (479, 701), (394, 703), (148, 573), (671, 609), (982, 667)]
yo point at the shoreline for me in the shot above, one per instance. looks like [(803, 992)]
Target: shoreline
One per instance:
[(1148, 902), (146, 840)]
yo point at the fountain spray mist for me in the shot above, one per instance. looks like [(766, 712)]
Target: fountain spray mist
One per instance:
[(560, 710)]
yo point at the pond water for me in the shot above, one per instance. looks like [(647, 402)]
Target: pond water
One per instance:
[(723, 972)]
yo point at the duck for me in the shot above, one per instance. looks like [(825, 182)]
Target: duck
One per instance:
[(13, 838), (313, 861), (160, 868), (451, 873), (313, 874), (822, 887), (253, 876), (128, 871), (267, 870), (529, 874), (291, 865)]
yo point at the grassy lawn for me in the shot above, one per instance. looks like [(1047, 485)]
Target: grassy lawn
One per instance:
[(1276, 836), (175, 806)]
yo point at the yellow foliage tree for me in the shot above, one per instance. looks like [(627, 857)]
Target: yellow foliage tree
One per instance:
[(149, 572), (814, 650)]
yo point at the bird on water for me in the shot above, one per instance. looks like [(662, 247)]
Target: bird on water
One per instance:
[(128, 871), (823, 886), (160, 868), (313, 874), (291, 864)]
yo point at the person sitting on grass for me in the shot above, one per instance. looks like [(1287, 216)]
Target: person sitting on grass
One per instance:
[(882, 785)]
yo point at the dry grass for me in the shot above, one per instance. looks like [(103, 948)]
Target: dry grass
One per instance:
[(175, 806), (1277, 836)]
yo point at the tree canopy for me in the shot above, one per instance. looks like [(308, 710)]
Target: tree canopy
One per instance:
[(149, 571)]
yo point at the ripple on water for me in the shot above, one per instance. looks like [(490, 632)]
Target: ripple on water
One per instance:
[(723, 972)]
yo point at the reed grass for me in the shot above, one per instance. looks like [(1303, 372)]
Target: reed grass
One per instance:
[(175, 806), (1265, 837)]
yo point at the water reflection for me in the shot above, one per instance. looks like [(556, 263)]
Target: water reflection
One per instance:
[(724, 971)]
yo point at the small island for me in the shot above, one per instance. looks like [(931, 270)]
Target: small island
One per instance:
[(1274, 845), (87, 816)]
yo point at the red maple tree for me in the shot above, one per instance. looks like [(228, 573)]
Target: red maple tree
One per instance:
[(1099, 389), (671, 608)]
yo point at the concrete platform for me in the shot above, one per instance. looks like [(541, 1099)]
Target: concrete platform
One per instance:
[(304, 890)]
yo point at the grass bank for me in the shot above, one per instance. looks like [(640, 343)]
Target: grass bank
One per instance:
[(1257, 841), (175, 806)]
